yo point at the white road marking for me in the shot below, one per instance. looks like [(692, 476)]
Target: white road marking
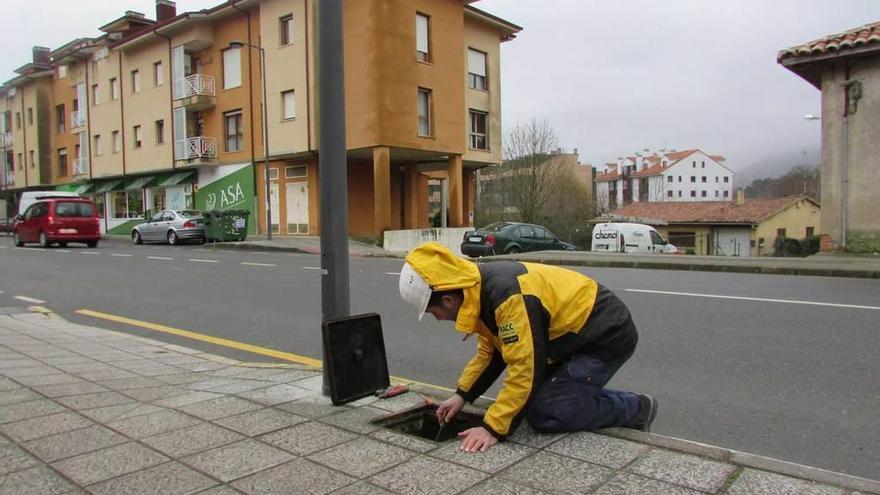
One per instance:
[(203, 261), (396, 274), (311, 268), (89, 252), (29, 299), (159, 258), (123, 255), (3, 247), (61, 251), (257, 264), (758, 299)]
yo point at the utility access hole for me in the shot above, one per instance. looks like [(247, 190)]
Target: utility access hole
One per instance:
[(421, 421)]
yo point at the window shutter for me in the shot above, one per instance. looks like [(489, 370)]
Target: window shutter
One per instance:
[(231, 68), (477, 62), (421, 33)]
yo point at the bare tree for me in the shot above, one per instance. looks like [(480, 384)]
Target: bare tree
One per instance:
[(528, 184)]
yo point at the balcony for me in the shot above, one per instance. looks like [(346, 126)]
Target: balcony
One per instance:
[(80, 166), (5, 139), (9, 180), (196, 150), (77, 119), (195, 92)]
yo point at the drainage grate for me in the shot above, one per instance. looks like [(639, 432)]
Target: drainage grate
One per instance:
[(421, 421)]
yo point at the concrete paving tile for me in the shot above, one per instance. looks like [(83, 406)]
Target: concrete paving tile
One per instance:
[(307, 438), (151, 394), (49, 352), (65, 360), (682, 469), (631, 484), (526, 435), (754, 482), (599, 449), (29, 371), (91, 401), (290, 376), (220, 490), (262, 374), (362, 457), (219, 408), (297, 477), (208, 382), (7, 384), (111, 462), (191, 440), (14, 459), (493, 460), (56, 379), (357, 420), (362, 488), (40, 480), (406, 441), (237, 386), (180, 378), (399, 403), (237, 460), (29, 409), (65, 389), (314, 383), (261, 421), (186, 399), (97, 376), (89, 366), (154, 423), (423, 475), (204, 366), (313, 406), (154, 369), (499, 486), (75, 442), (556, 474), (276, 394), (20, 394), (19, 363), (171, 478), (110, 413), (29, 429), (131, 383), (229, 372), (177, 358)]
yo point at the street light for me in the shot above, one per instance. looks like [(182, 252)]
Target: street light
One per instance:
[(239, 44), (810, 116)]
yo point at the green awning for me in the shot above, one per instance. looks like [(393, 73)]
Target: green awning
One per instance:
[(110, 185), (138, 182), (80, 188), (185, 177)]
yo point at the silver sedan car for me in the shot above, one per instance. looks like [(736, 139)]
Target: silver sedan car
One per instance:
[(172, 227)]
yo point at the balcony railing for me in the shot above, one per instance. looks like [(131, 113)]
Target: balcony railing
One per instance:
[(194, 85), (77, 119), (5, 139), (80, 166), (9, 179), (196, 148)]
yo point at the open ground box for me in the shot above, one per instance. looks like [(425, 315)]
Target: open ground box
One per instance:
[(421, 421)]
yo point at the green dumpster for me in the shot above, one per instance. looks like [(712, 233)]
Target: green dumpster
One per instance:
[(226, 225)]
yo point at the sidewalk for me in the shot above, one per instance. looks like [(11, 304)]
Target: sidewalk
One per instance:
[(83, 408)]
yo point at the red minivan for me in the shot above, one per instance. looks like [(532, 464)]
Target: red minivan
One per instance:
[(59, 219)]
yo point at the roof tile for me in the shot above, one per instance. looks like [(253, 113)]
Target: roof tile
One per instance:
[(752, 211)]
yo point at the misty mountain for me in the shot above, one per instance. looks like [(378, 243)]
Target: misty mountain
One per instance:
[(777, 165)]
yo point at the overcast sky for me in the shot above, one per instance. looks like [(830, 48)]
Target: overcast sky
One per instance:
[(612, 78)]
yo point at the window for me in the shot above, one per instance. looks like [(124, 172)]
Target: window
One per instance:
[(285, 25), (62, 71), (703, 194), (59, 118), (716, 194), (679, 194), (135, 81), (478, 139), (716, 179), (679, 178), (294, 171), (20, 163), (726, 179), (725, 194), (703, 164), (693, 194), (158, 74), (811, 231), (96, 144), (94, 94), (424, 112), (668, 194), (18, 120), (422, 37), (127, 204), (780, 232), (288, 105), (62, 162), (231, 68), (694, 164), (234, 131), (114, 88), (32, 159), (273, 173), (669, 178), (30, 116), (693, 178), (160, 131), (477, 69), (138, 137), (704, 179), (117, 144)]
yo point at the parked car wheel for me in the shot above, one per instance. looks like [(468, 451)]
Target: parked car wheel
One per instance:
[(512, 250), (136, 237), (16, 240), (62, 244), (172, 238), (92, 244), (44, 241)]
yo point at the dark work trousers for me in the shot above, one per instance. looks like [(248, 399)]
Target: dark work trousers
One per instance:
[(574, 397)]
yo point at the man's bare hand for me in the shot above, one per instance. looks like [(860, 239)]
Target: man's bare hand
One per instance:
[(476, 439), (448, 409)]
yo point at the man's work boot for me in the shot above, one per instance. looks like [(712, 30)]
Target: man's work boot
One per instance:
[(646, 415)]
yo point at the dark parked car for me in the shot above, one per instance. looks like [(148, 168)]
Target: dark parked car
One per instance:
[(511, 237), (58, 220)]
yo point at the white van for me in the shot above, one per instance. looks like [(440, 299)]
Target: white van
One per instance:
[(629, 238), (30, 197)]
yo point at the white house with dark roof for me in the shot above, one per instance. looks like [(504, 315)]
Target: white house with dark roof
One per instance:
[(689, 175)]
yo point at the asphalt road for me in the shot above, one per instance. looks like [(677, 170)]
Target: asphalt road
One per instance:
[(796, 381)]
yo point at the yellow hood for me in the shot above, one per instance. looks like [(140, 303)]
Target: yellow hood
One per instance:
[(442, 270)]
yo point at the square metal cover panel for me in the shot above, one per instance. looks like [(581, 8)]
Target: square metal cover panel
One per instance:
[(354, 351)]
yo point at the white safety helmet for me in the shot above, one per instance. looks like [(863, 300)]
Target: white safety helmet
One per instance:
[(413, 289)]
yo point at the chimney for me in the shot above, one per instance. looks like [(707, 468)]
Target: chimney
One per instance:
[(165, 9), (41, 55), (740, 197)]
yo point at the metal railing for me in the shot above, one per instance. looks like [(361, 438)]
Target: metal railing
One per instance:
[(9, 179), (5, 139), (194, 85), (80, 166), (196, 147), (77, 119)]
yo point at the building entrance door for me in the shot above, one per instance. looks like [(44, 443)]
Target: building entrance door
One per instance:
[(276, 211), (297, 207)]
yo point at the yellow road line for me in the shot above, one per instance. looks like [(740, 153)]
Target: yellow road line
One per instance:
[(263, 351)]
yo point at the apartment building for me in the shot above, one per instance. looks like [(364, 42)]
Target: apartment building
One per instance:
[(687, 175), (167, 112)]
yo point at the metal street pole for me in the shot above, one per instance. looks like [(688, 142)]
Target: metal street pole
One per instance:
[(266, 144), (332, 166)]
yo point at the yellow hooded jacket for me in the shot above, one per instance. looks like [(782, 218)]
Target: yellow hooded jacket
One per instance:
[(525, 315)]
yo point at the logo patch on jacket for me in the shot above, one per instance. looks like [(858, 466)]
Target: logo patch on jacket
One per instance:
[(507, 333)]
